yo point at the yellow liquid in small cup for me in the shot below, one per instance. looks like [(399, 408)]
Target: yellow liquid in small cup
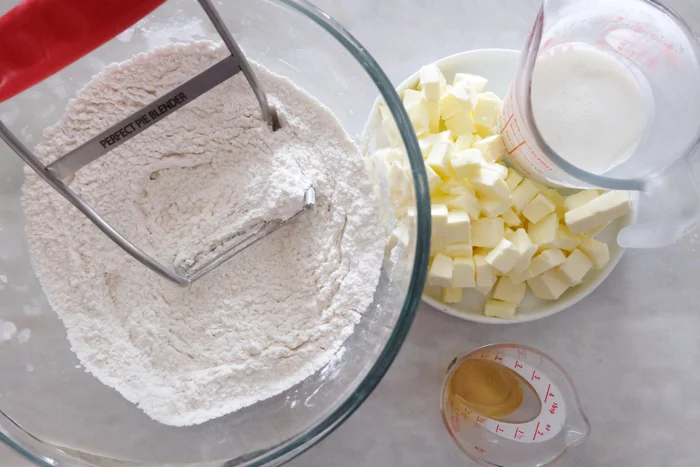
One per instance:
[(488, 388)]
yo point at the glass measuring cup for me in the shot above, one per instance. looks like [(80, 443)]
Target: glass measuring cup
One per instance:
[(658, 48), (548, 421)]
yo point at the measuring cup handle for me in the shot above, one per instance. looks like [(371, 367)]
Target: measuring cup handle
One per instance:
[(668, 208), (40, 37)]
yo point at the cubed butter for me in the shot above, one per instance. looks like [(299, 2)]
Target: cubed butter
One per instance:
[(601, 210), (439, 158), (491, 147), (440, 272), (580, 198), (501, 170), (399, 237), (526, 250), (463, 142), (475, 82), (503, 257), (548, 259), (464, 273), (490, 185), (466, 202), (458, 99), (451, 295), (513, 179), (511, 218), (432, 82), (439, 214), (575, 267), (485, 274), (507, 291), (494, 207), (523, 194), (597, 252), (460, 124), (487, 109), (544, 232), (426, 141), (467, 163), (487, 232), (565, 239), (499, 309), (433, 116), (434, 180), (458, 227), (459, 250), (548, 286), (538, 208)]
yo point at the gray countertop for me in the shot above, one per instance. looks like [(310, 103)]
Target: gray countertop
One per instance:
[(630, 347)]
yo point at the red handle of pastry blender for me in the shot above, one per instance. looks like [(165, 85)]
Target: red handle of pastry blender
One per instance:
[(40, 37)]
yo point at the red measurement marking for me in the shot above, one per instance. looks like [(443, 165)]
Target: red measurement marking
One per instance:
[(508, 122), (498, 358), (480, 419), (537, 432), (546, 396), (499, 429), (548, 427), (517, 147), (518, 434), (517, 364), (484, 355), (481, 450), (534, 375)]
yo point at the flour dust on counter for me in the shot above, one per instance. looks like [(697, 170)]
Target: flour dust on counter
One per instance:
[(263, 322)]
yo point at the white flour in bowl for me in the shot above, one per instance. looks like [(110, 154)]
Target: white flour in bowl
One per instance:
[(263, 322)]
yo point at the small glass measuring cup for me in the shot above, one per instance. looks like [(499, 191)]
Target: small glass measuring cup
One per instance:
[(662, 53), (548, 421)]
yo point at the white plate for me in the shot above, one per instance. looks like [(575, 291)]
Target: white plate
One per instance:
[(499, 67)]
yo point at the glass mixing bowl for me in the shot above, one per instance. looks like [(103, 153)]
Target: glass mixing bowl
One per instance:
[(55, 413)]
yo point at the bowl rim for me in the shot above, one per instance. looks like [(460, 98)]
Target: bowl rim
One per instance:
[(39, 451)]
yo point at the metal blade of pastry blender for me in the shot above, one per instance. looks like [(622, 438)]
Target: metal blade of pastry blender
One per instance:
[(240, 241)]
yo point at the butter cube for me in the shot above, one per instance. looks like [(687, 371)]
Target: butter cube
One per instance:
[(399, 237), (490, 185), (595, 231), (548, 286), (464, 273), (499, 309), (508, 233), (566, 240), (433, 116), (507, 291), (597, 252), (467, 163), (485, 131), (475, 82), (485, 289), (450, 185), (463, 142), (418, 115), (439, 158), (392, 131), (491, 147), (432, 82), (601, 210), (580, 198), (440, 272), (466, 202), (459, 250), (451, 295), (487, 232), (544, 232), (523, 194), (487, 109), (458, 99), (495, 207), (434, 180), (513, 179), (501, 170), (426, 141), (511, 218), (460, 124), (439, 215), (575, 267), (548, 259), (538, 208), (503, 257), (485, 274), (458, 227), (525, 248)]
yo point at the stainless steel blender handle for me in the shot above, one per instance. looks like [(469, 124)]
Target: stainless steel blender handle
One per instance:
[(269, 113)]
